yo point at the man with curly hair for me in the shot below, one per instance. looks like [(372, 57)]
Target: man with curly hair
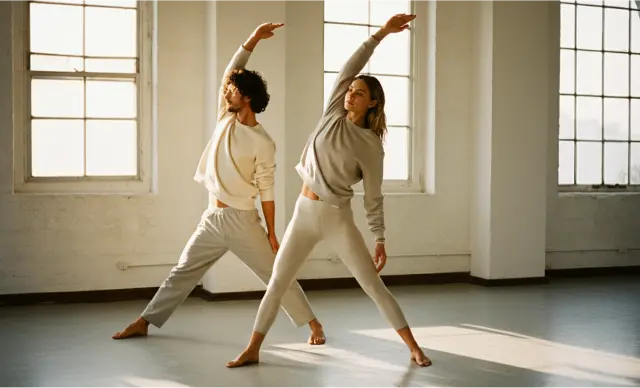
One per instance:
[(237, 165)]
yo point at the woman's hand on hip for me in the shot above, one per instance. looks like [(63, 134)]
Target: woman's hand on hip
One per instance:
[(380, 258)]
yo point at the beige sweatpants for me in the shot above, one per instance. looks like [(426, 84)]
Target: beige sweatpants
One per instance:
[(314, 221), (220, 230)]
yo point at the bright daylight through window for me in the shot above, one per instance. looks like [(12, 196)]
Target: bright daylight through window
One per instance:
[(83, 74), (599, 94)]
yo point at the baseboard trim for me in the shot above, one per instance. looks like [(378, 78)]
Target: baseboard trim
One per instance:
[(346, 283), (147, 293), (508, 282), (97, 296), (590, 272)]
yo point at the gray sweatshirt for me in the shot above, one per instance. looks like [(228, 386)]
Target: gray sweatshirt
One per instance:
[(339, 154)]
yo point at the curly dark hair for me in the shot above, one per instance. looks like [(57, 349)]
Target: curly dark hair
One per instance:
[(250, 84)]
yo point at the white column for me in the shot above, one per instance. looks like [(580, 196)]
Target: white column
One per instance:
[(511, 124)]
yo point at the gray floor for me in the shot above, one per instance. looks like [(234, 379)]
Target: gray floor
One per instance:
[(572, 332)]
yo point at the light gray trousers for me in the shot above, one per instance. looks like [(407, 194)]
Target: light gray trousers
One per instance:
[(220, 230), (314, 221)]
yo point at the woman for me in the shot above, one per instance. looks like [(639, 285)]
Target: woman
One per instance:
[(345, 148)]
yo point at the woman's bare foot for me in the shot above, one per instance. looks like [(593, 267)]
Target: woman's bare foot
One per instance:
[(317, 336), (248, 357), (139, 328), (419, 358)]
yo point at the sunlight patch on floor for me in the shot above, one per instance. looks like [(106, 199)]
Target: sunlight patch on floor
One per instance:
[(144, 382), (520, 351)]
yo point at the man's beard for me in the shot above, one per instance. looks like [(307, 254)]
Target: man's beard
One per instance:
[(232, 109)]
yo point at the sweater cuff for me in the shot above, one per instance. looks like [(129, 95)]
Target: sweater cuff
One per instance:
[(267, 195), (379, 233)]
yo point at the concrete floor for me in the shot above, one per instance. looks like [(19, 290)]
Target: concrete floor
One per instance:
[(572, 332)]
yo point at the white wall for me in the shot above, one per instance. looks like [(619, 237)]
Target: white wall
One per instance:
[(69, 243), (73, 242)]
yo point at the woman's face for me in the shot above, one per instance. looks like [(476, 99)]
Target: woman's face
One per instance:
[(358, 98)]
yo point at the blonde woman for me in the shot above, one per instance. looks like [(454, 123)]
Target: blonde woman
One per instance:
[(346, 147)]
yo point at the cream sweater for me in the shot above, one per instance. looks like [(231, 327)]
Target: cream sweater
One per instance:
[(238, 163)]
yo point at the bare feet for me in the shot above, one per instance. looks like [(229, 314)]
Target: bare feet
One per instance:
[(317, 336), (419, 358), (246, 358), (138, 328)]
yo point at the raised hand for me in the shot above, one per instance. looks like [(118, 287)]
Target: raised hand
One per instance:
[(265, 31), (398, 23)]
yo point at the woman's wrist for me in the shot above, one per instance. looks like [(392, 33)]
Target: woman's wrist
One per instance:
[(380, 34)]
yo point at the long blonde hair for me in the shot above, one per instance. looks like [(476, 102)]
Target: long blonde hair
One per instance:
[(375, 119)]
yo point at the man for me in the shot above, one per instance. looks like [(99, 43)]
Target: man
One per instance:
[(237, 164)]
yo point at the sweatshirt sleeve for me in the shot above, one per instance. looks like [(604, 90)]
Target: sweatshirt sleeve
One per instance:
[(347, 74), (266, 171), (372, 173), (238, 61)]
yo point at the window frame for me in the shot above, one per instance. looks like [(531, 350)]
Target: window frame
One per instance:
[(141, 183), (600, 187), (418, 120)]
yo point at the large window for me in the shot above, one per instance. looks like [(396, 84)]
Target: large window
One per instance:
[(346, 25), (83, 91), (599, 130)]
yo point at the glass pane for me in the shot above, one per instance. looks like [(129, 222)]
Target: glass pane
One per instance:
[(57, 148), (114, 3), (616, 29), (381, 11), (55, 63), (635, 75), (111, 65), (616, 74), (565, 163), (111, 98), (616, 118), (567, 69), (57, 98), (566, 117), (589, 27), (112, 147), (594, 2), (616, 163), (393, 57), (635, 164), (589, 77), (340, 42), (589, 163), (617, 3), (111, 32), (396, 154), (346, 11), (634, 5), (635, 32), (329, 80), (567, 25), (635, 119), (589, 118), (396, 94), (55, 29)]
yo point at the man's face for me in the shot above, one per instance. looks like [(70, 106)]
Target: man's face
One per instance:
[(235, 100)]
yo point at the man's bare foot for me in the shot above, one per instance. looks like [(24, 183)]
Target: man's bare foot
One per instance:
[(419, 358), (246, 358), (317, 336), (138, 328)]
